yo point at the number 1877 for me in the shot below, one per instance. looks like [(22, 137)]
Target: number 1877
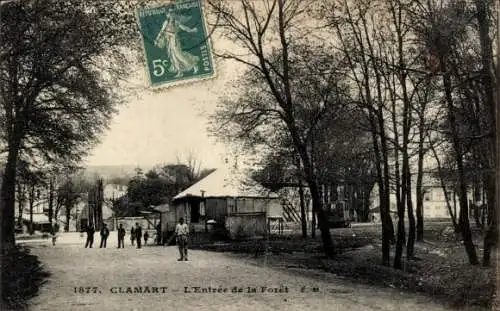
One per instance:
[(86, 290)]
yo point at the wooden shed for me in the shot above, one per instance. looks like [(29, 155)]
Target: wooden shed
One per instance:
[(227, 200)]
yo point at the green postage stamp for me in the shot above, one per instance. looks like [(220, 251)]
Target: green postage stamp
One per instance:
[(176, 44)]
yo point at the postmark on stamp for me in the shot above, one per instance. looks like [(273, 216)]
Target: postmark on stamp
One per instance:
[(175, 42)]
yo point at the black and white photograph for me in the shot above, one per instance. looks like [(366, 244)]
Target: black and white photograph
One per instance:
[(249, 155)]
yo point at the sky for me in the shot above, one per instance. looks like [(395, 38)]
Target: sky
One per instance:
[(160, 126)]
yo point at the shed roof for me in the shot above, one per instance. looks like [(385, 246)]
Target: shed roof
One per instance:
[(162, 208), (226, 183)]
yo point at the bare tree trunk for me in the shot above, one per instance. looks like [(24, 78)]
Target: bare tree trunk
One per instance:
[(303, 220), (464, 224), (303, 216), (8, 193), (51, 199), (375, 116), (400, 189), (400, 192), (31, 203), (318, 209), (401, 237), (410, 246), (453, 214), (313, 224), (68, 218), (488, 83), (99, 203), (21, 198), (491, 237), (419, 189), (387, 227)]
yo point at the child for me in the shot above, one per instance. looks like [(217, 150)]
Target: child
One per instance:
[(146, 237)]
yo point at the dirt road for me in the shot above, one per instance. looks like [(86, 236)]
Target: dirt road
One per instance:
[(151, 279)]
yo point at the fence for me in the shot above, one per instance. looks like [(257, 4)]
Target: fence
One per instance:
[(129, 222)]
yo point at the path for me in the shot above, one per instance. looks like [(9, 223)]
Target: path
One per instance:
[(113, 270)]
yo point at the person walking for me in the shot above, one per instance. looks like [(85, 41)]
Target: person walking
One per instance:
[(132, 236), (181, 233), (90, 236), (138, 234), (104, 235), (146, 237), (121, 236)]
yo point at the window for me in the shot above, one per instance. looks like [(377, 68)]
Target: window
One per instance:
[(427, 195), (202, 209), (195, 212), (231, 205), (449, 194)]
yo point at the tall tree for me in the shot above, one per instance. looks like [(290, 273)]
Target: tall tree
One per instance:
[(443, 30), (54, 98), (485, 20), (270, 32), (358, 37)]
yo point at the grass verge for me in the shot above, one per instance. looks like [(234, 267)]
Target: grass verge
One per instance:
[(22, 276)]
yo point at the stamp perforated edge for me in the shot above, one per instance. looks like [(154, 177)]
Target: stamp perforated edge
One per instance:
[(148, 84)]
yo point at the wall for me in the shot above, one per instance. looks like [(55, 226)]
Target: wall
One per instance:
[(246, 226), (272, 207), (434, 202), (216, 209), (170, 218)]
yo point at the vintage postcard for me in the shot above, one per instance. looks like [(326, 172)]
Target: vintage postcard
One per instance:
[(313, 155)]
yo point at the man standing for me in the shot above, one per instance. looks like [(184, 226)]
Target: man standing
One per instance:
[(138, 234), (104, 235), (121, 236), (90, 236), (182, 232), (132, 235), (158, 234)]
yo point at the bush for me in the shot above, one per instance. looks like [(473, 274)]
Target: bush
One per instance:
[(22, 276)]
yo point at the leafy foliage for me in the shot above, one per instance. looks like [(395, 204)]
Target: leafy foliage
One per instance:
[(158, 186)]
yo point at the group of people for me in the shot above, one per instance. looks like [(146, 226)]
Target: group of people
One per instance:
[(181, 235), (135, 235)]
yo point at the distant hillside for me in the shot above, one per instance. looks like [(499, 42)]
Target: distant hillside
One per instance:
[(108, 172)]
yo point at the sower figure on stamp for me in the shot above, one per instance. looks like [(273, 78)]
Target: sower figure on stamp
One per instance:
[(182, 232), (138, 234), (121, 236), (90, 236), (104, 235)]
